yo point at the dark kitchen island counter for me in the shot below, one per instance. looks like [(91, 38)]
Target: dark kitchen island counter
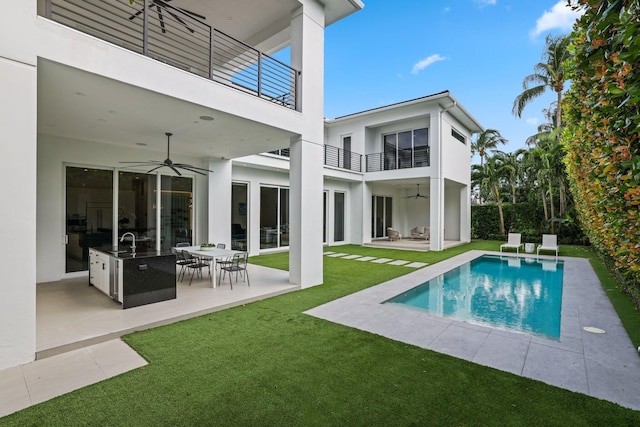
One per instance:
[(133, 279)]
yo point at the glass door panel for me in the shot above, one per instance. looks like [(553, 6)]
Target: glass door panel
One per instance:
[(338, 218), (239, 216), (404, 150), (137, 209), (381, 215), (89, 214), (284, 217), (176, 211), (268, 217)]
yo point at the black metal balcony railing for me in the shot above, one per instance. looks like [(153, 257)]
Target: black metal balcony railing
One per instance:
[(401, 159), (284, 152), (339, 158), (180, 38)]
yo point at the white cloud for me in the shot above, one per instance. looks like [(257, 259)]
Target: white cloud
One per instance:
[(486, 2), (559, 17), (533, 121), (424, 63)]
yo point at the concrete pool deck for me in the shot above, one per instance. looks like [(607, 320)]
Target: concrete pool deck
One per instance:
[(605, 366)]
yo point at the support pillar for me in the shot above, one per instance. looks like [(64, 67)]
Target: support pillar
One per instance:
[(219, 209)]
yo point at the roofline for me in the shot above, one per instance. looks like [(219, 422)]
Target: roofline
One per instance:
[(440, 95)]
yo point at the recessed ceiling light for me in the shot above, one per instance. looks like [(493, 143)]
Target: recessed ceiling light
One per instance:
[(206, 118)]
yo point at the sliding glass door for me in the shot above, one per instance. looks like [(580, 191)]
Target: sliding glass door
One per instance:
[(381, 215), (89, 214), (274, 217), (338, 217), (137, 209), (176, 211), (239, 195)]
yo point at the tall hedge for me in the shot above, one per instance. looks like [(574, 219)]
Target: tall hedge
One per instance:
[(602, 126), (526, 218)]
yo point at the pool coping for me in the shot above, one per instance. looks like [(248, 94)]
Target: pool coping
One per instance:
[(605, 366)]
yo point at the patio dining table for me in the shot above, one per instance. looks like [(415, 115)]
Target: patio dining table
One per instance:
[(211, 254)]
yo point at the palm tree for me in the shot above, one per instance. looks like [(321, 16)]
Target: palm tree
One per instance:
[(487, 140), (489, 177), (548, 74), (511, 167)]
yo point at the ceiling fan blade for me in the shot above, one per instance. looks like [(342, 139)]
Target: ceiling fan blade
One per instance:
[(173, 168), (161, 18), (177, 18), (156, 168), (194, 171)]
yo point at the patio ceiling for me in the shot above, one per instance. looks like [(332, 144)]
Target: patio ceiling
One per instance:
[(83, 106)]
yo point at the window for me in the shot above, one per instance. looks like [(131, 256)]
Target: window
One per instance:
[(346, 152), (407, 149), (457, 135), (176, 210), (137, 208)]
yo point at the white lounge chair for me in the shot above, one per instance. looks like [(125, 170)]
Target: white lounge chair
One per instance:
[(549, 243), (420, 233), (514, 241), (393, 234)]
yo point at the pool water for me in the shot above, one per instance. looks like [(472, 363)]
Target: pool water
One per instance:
[(524, 294)]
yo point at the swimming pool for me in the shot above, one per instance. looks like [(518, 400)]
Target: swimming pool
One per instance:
[(523, 294)]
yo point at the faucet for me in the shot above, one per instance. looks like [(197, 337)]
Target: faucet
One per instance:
[(133, 240)]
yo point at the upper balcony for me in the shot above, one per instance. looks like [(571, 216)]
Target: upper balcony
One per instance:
[(398, 159), (182, 39), (334, 157)]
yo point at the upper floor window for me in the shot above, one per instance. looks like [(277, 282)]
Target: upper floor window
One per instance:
[(407, 149), (457, 135)]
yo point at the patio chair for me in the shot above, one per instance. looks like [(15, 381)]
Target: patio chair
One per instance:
[(238, 265), (549, 243), (420, 233), (514, 241), (393, 234), (195, 263)]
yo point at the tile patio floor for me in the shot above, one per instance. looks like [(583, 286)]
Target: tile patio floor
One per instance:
[(78, 332)]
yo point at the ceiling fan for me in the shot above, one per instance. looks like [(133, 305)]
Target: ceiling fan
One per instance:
[(162, 4), (168, 163), (417, 194)]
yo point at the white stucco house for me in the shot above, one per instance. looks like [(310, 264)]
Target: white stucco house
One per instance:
[(90, 85)]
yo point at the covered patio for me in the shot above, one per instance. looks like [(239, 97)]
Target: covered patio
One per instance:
[(409, 244), (70, 314)]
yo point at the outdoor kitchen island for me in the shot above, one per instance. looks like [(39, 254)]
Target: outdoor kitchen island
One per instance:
[(133, 279)]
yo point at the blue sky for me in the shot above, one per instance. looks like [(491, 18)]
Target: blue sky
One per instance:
[(479, 50)]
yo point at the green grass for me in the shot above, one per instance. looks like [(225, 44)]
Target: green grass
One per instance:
[(267, 363)]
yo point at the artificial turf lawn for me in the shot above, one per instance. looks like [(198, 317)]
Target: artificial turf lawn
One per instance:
[(267, 363)]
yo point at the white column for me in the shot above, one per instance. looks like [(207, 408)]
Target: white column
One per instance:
[(436, 199), (465, 214), (366, 212), (219, 209), (18, 107), (306, 154), (436, 223)]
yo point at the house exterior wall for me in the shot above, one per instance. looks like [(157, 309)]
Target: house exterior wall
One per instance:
[(54, 154), (18, 106)]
